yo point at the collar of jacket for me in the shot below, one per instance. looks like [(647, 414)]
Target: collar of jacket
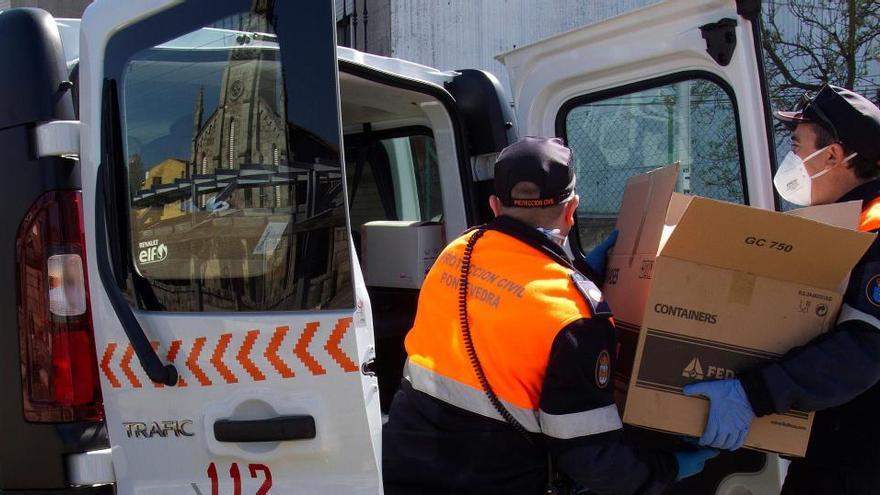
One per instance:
[(529, 235), (865, 192)]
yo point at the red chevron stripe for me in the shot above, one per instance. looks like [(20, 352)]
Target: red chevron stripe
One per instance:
[(173, 351), (271, 353), (155, 344), (105, 365), (302, 349), (192, 362), (332, 346), (217, 359), (125, 365), (244, 356)]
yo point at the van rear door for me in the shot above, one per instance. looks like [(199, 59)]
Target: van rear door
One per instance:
[(680, 80), (676, 80), (231, 320)]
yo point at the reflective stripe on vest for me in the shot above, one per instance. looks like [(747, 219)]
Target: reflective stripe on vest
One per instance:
[(465, 397), (562, 426), (870, 219), (848, 313), (581, 424), (519, 300)]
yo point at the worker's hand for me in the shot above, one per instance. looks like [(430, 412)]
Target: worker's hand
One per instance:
[(692, 462), (730, 413), (597, 256)]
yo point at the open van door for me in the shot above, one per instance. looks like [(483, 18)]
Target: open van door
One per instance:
[(680, 80), (233, 328)]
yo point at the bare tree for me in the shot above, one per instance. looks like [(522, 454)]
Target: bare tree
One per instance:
[(808, 43)]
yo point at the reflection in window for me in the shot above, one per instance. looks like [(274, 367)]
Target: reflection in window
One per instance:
[(691, 121), (232, 163), (233, 207)]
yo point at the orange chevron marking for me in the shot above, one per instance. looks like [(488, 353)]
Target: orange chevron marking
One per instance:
[(271, 353), (332, 346), (244, 356), (173, 351), (105, 365), (217, 359), (192, 362), (302, 349), (125, 365), (155, 345)]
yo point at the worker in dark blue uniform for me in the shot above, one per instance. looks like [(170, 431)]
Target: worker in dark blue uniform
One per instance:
[(835, 157), (511, 358)]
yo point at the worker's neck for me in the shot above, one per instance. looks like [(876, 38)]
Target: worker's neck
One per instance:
[(534, 219), (851, 182)]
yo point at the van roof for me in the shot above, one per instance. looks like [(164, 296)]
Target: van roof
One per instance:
[(219, 39)]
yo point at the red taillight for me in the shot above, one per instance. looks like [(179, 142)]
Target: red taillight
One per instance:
[(58, 363)]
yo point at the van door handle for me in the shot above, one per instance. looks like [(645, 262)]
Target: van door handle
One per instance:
[(298, 427)]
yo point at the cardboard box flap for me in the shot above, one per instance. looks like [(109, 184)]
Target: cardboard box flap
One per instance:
[(843, 215), (765, 243), (677, 206), (643, 209)]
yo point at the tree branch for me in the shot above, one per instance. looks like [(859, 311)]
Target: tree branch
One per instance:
[(784, 72), (850, 54)]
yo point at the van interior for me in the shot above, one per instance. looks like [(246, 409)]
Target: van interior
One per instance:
[(397, 147)]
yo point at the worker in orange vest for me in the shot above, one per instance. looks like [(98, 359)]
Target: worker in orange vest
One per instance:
[(511, 358), (834, 157)]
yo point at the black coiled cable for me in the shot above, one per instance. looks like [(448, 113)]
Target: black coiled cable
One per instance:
[(551, 488), (469, 343)]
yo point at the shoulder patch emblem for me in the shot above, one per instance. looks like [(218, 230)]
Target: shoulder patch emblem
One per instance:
[(591, 294), (872, 291), (603, 369)]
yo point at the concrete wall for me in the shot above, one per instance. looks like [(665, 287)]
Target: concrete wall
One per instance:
[(58, 8), (458, 34), (378, 30)]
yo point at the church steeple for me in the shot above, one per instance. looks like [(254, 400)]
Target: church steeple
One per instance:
[(246, 128), (197, 126)]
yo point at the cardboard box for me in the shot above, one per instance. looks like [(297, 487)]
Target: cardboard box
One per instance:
[(398, 254), (722, 287), (630, 265)]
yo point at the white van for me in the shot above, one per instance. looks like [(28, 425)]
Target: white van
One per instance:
[(233, 159)]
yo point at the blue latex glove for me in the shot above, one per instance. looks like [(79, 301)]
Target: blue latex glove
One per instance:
[(693, 462), (730, 413), (597, 256)]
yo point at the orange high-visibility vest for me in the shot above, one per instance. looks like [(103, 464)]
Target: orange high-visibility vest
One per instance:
[(519, 299), (870, 219)]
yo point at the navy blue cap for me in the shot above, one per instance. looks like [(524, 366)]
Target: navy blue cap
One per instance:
[(853, 119), (546, 162)]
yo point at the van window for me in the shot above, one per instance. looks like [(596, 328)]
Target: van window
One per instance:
[(236, 193), (393, 176), (621, 133)]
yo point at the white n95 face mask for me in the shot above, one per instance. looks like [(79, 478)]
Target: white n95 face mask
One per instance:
[(792, 180)]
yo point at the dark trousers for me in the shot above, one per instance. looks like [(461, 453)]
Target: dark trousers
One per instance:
[(805, 478)]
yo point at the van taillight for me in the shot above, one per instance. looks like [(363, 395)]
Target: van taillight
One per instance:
[(58, 363)]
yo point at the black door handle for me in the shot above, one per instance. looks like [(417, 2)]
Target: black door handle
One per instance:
[(299, 427)]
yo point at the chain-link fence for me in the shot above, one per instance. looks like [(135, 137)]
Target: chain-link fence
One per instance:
[(691, 121)]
